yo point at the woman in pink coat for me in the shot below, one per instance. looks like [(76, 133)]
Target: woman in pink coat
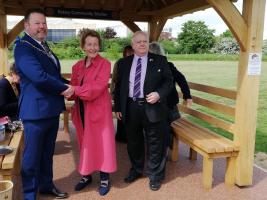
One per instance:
[(92, 114)]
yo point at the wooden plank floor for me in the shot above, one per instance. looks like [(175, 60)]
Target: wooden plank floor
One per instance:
[(183, 179)]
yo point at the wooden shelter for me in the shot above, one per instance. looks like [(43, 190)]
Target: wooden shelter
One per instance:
[(247, 27)]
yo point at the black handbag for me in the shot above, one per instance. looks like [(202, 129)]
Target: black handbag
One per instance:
[(174, 113)]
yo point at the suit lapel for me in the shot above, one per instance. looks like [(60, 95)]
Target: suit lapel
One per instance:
[(39, 46), (150, 62), (129, 63)]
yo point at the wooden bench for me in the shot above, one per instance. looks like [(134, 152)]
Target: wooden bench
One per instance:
[(10, 163), (204, 141)]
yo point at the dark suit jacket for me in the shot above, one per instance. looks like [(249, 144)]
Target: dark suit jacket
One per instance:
[(178, 78), (158, 79), (40, 81), (8, 100)]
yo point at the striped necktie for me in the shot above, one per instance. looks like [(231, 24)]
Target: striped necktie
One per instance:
[(137, 80)]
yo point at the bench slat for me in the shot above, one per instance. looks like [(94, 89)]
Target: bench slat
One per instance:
[(9, 160), (231, 94), (218, 137), (198, 140), (225, 109), (211, 119), (213, 140), (220, 141), (5, 142), (203, 138)]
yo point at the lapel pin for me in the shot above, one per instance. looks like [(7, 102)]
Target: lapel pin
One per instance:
[(159, 70), (150, 59)]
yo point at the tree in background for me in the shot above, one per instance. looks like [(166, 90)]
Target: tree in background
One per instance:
[(227, 34), (264, 47), (109, 33), (195, 37), (226, 44), (169, 46)]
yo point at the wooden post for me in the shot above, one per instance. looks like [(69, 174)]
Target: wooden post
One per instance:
[(175, 149), (247, 92), (154, 28), (3, 44), (207, 172), (230, 171)]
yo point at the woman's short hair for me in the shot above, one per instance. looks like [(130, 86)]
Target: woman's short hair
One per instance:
[(156, 48), (13, 69), (89, 32)]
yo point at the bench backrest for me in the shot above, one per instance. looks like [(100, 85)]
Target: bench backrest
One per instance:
[(219, 112), (223, 108)]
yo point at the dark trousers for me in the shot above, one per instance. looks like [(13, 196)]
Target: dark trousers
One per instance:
[(137, 124), (37, 161)]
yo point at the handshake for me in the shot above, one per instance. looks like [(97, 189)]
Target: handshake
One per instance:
[(68, 92)]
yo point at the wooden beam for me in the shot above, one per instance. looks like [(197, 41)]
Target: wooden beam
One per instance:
[(131, 25), (178, 9), (102, 2), (247, 92), (16, 30), (121, 5), (155, 27), (42, 2), (3, 30), (62, 3), (154, 4), (2, 9), (3, 45), (232, 17), (82, 3), (163, 2), (139, 4), (132, 16)]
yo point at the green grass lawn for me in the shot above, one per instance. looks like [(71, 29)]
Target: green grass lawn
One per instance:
[(219, 74)]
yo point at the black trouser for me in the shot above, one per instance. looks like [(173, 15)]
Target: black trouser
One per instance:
[(136, 122)]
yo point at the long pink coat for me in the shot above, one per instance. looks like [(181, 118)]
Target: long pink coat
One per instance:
[(96, 141)]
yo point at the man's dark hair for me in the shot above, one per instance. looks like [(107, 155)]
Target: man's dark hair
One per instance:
[(33, 10), (127, 50), (13, 69), (128, 47)]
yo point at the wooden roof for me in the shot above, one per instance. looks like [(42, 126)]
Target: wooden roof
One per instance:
[(136, 10)]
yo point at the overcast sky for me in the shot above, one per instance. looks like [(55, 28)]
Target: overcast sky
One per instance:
[(209, 16)]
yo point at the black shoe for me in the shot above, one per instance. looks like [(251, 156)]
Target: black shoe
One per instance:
[(154, 185), (86, 180), (132, 176), (56, 193)]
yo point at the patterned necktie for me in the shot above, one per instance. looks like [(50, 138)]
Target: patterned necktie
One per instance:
[(46, 48), (48, 51), (137, 80)]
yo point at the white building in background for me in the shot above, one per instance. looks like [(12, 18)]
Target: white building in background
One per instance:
[(66, 28)]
